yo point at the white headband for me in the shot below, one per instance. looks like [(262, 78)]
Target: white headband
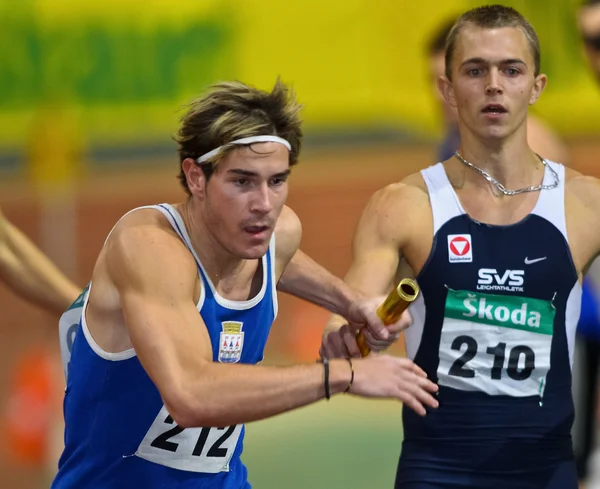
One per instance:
[(250, 140)]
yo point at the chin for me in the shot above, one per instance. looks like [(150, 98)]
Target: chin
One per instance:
[(494, 133), (253, 252), (252, 255)]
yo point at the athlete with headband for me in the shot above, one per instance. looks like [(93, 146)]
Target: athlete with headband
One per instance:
[(160, 376)]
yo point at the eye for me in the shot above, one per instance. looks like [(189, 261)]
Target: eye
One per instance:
[(241, 182), (512, 71), (278, 181), (474, 72)]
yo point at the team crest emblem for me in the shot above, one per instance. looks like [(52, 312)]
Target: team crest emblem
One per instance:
[(231, 342)]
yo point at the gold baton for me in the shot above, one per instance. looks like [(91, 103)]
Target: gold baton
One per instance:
[(391, 309)]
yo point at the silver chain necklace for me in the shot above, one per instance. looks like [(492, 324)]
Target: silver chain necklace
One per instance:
[(502, 188)]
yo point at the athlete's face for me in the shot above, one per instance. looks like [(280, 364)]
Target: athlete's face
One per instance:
[(244, 197), (589, 25), (493, 81)]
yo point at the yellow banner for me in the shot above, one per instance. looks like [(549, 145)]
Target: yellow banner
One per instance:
[(126, 66)]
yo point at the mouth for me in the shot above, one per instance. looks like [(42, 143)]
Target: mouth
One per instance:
[(257, 231), (494, 109)]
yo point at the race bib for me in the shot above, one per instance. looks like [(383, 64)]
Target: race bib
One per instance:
[(496, 344), (206, 450), (67, 328)]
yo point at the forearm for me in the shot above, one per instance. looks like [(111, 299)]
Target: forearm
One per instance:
[(32, 275), (305, 278), (223, 395)]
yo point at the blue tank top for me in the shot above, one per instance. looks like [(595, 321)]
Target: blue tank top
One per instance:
[(118, 432), (494, 326)]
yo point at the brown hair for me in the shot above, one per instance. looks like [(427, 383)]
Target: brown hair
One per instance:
[(492, 17), (232, 110)]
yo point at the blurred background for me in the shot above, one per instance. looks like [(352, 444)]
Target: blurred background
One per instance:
[(90, 94)]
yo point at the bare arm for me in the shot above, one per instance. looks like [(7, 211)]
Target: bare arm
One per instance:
[(155, 277), (582, 207), (303, 277), (308, 280), (173, 345), (30, 273), (377, 244)]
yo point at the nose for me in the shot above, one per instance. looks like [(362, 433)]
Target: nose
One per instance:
[(493, 83), (261, 202)]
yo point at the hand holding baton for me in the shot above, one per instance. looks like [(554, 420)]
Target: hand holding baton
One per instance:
[(393, 306)]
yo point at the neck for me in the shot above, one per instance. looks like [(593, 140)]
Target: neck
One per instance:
[(510, 161), (217, 261)]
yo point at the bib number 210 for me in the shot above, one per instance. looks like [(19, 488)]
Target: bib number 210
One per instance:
[(521, 359)]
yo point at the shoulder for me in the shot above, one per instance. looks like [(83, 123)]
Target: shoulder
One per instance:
[(584, 188), (287, 223), (396, 208), (582, 200), (288, 233), (143, 228), (412, 191), (144, 241)]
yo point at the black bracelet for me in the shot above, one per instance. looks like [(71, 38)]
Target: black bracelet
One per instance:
[(351, 375), (325, 361)]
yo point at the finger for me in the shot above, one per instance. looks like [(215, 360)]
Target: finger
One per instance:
[(398, 326), (379, 345), (350, 343), (412, 403), (377, 328), (374, 344), (406, 363), (335, 345), (340, 347), (326, 348), (427, 385), (419, 371), (425, 397), (394, 337), (391, 339), (404, 322), (421, 388)]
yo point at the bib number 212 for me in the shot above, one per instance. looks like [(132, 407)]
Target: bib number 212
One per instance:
[(163, 441)]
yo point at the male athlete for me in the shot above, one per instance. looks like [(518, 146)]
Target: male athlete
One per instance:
[(498, 239), (179, 308)]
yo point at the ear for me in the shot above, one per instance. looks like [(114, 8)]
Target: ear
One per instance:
[(444, 86), (538, 87), (195, 177)]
